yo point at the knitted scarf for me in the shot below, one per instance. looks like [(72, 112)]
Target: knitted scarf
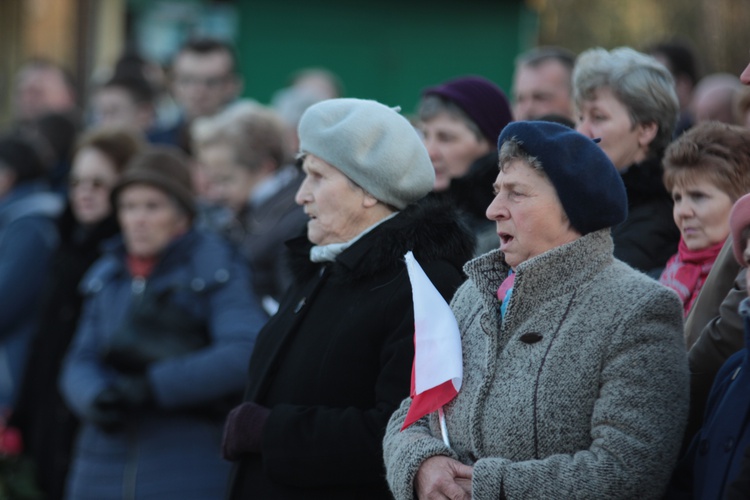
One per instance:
[(686, 271)]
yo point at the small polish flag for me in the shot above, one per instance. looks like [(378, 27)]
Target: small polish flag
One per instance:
[(437, 371)]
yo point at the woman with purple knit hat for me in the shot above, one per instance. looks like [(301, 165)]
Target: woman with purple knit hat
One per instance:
[(460, 121)]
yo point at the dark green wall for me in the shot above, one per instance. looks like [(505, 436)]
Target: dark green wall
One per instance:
[(386, 50)]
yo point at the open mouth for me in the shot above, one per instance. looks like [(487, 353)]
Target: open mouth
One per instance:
[(505, 238)]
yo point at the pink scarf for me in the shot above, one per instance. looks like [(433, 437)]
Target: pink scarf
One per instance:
[(687, 270)]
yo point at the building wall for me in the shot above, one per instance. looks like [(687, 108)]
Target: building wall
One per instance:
[(387, 50)]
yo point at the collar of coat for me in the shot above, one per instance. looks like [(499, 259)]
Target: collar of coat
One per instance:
[(556, 272), (210, 261), (430, 228)]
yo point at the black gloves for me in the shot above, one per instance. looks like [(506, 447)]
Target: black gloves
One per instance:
[(244, 430), (113, 405)]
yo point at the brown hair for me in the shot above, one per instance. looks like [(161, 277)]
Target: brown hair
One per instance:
[(715, 151), (118, 144), (253, 132)]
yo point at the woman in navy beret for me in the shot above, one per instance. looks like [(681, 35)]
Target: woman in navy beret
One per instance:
[(575, 375)]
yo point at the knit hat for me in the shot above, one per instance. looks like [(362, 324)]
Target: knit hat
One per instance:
[(589, 187), (739, 219), (483, 102), (19, 155), (162, 167), (371, 144)]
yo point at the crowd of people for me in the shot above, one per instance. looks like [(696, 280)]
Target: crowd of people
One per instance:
[(206, 296)]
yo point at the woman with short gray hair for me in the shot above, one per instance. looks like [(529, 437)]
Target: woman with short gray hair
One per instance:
[(627, 99)]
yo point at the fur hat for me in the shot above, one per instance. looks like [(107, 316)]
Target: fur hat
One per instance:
[(589, 187), (372, 144), (739, 219), (482, 101), (164, 168)]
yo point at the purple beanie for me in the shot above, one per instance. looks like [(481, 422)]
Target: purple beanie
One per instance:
[(483, 102)]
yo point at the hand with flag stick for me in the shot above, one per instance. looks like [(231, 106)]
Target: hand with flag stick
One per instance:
[(437, 370), (436, 378)]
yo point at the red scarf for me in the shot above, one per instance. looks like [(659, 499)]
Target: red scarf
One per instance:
[(141, 267), (687, 270)]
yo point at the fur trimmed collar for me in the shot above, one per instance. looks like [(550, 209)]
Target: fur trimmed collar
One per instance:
[(430, 228)]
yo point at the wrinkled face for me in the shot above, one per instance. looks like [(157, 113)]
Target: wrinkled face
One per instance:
[(204, 83), (335, 206), (228, 183), (114, 107), (528, 214), (150, 219), (452, 147), (542, 90), (607, 118), (701, 211), (92, 177)]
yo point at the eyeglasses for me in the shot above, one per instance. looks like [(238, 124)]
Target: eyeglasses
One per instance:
[(95, 183)]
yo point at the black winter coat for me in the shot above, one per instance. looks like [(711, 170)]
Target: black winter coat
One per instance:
[(46, 424), (649, 236), (335, 361)]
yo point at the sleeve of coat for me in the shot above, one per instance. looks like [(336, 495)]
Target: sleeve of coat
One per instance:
[(82, 376), (25, 251), (636, 425), (721, 337), (318, 445), (234, 320), (405, 451)]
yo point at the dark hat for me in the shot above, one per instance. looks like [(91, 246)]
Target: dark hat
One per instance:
[(483, 101), (19, 154), (589, 187), (162, 167), (739, 219)]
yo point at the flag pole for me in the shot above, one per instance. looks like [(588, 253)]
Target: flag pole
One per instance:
[(443, 427)]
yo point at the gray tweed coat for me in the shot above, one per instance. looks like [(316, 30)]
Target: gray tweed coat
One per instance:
[(582, 392)]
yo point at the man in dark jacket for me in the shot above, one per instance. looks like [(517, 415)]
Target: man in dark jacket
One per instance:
[(333, 364)]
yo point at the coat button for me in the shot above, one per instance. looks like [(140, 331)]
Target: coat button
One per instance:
[(221, 275), (530, 337), (300, 305), (197, 284)]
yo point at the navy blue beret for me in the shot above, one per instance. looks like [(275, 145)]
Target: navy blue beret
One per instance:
[(588, 184)]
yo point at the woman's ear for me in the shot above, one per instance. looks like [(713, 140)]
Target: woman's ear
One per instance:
[(368, 201), (647, 133)]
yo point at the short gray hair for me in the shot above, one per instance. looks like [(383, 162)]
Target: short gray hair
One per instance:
[(511, 150), (640, 82)]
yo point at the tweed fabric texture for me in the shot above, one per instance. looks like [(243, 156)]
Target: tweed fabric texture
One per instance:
[(594, 408)]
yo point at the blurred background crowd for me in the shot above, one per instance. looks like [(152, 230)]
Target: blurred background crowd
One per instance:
[(174, 125)]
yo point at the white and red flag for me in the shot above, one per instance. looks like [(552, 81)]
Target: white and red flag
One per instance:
[(437, 371)]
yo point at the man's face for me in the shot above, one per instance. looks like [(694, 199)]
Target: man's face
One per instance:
[(204, 83), (541, 90), (114, 107), (41, 90)]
